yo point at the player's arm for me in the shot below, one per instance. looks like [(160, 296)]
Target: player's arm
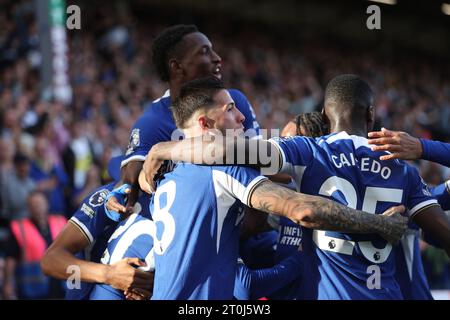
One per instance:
[(442, 194), (403, 146), (211, 151), (425, 211), (257, 283), (128, 176), (142, 138), (61, 255), (434, 222), (323, 214)]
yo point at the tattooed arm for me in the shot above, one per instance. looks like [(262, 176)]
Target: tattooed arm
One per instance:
[(323, 214)]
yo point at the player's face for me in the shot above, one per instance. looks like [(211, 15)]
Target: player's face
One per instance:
[(226, 115), (199, 59)]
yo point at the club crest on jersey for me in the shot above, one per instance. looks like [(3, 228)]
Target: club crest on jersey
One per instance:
[(425, 189), (98, 198), (135, 141)]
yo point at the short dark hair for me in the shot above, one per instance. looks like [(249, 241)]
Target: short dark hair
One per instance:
[(195, 95), (313, 124), (165, 45), (350, 92)]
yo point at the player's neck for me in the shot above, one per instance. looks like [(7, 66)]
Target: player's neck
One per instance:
[(174, 88), (192, 132), (349, 128)]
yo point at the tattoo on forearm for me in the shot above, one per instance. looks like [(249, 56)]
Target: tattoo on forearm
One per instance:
[(315, 212)]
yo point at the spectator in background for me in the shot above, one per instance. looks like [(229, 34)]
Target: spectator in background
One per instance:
[(112, 78), (15, 189), (78, 156), (6, 165), (49, 177), (29, 238), (93, 181)]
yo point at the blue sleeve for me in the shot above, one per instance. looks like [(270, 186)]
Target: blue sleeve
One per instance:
[(143, 136), (259, 251), (419, 197), (236, 182), (246, 109), (442, 194), (141, 248), (90, 217), (255, 284), (436, 151), (294, 151)]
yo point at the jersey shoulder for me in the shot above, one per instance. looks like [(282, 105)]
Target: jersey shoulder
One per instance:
[(93, 202)]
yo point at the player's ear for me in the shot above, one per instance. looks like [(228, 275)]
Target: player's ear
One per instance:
[(175, 68), (325, 118), (203, 122)]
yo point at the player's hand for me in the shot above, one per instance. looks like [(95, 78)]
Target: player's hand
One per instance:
[(400, 144), (151, 167), (396, 224), (114, 200), (143, 184), (124, 275), (137, 294)]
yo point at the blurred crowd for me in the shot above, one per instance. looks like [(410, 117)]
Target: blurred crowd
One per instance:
[(63, 150)]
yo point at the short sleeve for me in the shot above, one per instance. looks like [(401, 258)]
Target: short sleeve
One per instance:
[(90, 217), (143, 136), (442, 194), (419, 197), (236, 182), (294, 151)]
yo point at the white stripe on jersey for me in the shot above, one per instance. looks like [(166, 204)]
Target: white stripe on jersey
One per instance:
[(357, 140), (420, 206), (165, 95), (83, 228), (227, 190), (133, 158), (408, 251)]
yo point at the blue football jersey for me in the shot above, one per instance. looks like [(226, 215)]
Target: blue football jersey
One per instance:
[(289, 238), (288, 244), (258, 251), (197, 211), (254, 284), (93, 222), (157, 124), (442, 194), (409, 270), (133, 238), (343, 168)]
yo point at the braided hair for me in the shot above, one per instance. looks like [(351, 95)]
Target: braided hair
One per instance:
[(312, 123)]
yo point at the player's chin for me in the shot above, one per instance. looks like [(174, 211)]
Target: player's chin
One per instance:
[(217, 75), (238, 132)]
